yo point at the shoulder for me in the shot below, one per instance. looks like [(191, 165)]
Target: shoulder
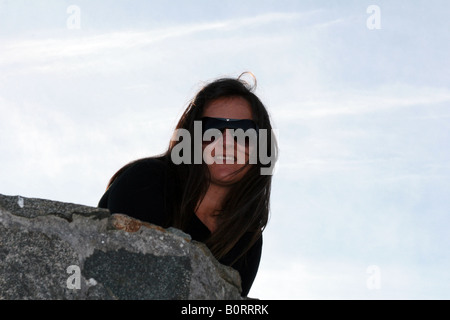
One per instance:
[(146, 173), (140, 173), (138, 190), (146, 165)]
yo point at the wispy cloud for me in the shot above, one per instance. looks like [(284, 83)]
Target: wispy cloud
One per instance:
[(353, 102), (43, 52), (331, 135)]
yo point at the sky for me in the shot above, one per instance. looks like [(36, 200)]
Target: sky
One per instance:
[(357, 90)]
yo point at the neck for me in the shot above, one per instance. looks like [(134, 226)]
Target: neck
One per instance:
[(211, 205)]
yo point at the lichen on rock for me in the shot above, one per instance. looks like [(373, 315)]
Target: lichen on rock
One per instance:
[(44, 243)]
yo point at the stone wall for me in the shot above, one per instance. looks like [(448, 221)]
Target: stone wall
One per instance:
[(55, 250)]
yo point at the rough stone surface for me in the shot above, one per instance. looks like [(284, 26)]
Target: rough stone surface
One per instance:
[(55, 250)]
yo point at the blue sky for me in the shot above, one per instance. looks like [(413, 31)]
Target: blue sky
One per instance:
[(362, 118)]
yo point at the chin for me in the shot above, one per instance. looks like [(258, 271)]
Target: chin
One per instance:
[(222, 174)]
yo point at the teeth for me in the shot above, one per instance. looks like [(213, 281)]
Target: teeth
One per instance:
[(222, 158)]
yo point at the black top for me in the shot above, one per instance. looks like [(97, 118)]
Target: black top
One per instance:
[(145, 190)]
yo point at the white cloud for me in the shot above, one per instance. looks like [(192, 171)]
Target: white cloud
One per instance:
[(349, 278), (54, 53), (354, 102), (317, 279)]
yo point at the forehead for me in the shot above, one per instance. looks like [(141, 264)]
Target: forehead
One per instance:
[(229, 107)]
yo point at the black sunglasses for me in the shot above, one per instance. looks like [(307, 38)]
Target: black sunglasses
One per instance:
[(225, 123)]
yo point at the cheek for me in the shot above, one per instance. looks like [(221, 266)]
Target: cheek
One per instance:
[(243, 150)]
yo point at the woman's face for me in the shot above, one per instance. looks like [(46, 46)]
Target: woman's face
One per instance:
[(232, 108)]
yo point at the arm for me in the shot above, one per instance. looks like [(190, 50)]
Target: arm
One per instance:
[(247, 265), (248, 274)]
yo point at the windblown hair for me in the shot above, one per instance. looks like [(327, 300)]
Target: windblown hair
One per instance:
[(246, 206)]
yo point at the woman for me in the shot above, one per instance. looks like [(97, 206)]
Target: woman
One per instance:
[(225, 205)]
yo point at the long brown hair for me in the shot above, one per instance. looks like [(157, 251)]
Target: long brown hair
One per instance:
[(246, 206)]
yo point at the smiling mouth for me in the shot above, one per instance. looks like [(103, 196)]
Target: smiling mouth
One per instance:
[(223, 159)]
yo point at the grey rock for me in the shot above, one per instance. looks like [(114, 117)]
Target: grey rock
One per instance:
[(56, 250)]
